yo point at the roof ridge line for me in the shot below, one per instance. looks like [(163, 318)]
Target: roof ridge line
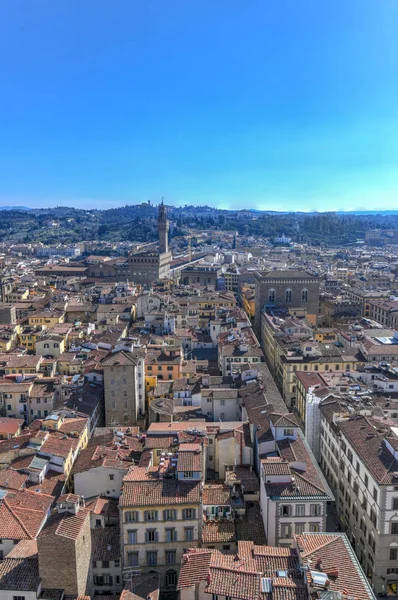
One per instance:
[(17, 519), (322, 545), (311, 483)]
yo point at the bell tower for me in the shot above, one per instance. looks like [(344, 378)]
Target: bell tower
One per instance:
[(163, 229)]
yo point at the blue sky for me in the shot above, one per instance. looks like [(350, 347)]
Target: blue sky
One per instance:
[(272, 104)]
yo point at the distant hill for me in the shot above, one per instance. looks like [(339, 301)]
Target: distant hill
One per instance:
[(370, 212), (15, 208), (137, 223)]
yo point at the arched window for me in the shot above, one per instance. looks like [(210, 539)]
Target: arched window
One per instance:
[(271, 296), (171, 578), (304, 295), (288, 295)]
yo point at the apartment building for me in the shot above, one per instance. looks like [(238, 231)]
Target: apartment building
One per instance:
[(160, 512), (220, 404), (99, 470), (42, 399), (237, 347), (311, 385), (16, 364), (46, 318), (50, 345), (247, 300), (14, 399), (289, 347), (360, 460), (364, 298), (384, 311), (293, 491), (164, 362)]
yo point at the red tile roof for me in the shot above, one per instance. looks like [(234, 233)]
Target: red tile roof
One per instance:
[(221, 532), (12, 479), (100, 456), (9, 425), (189, 460), (158, 492), (240, 576), (216, 494), (22, 514), (65, 524), (332, 554)]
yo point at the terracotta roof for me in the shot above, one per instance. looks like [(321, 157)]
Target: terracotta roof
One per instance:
[(251, 527), (220, 532), (159, 492), (105, 543), (12, 479), (65, 525), (100, 456), (22, 514), (216, 494), (52, 484), (161, 442), (298, 451), (103, 506), (24, 361), (367, 438), (10, 425), (275, 466), (20, 574), (189, 460), (285, 420), (59, 446), (179, 426), (240, 576), (7, 385), (119, 359), (24, 549), (41, 390), (145, 587), (194, 569), (336, 556), (72, 424)]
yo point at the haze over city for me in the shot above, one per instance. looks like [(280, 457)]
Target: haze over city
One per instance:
[(278, 105), (198, 300)]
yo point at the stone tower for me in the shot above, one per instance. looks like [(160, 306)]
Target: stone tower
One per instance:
[(163, 229)]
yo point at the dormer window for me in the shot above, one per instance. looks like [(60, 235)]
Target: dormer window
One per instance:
[(288, 432)]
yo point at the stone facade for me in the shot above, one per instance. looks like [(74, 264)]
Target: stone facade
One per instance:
[(65, 560), (146, 267), (120, 389), (204, 276), (286, 289)]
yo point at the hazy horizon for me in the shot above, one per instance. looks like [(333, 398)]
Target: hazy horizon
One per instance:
[(157, 202), (275, 106)]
